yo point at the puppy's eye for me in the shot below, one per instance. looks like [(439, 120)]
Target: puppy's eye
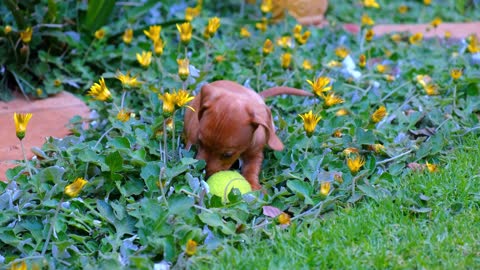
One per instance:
[(227, 155)]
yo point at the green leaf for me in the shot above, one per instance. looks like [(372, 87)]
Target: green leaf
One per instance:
[(179, 205), (106, 211), (364, 137), (214, 220), (369, 191), (114, 162), (98, 14), (301, 188), (52, 174), (119, 143)]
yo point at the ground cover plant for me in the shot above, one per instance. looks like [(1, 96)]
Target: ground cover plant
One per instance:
[(123, 192)]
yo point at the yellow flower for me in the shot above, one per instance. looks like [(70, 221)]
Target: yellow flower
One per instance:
[(362, 60), (127, 80), (307, 65), (302, 39), (182, 97), (325, 188), (262, 25), (367, 20), (168, 102), (381, 68), (350, 150), (427, 2), (153, 32), (320, 85), (378, 148), (473, 44), (355, 163), (7, 29), (341, 52), (286, 59), (212, 27), (268, 47), (402, 9), (341, 112), (185, 30), (285, 42), (379, 114), (284, 219), (19, 266), (431, 89), (57, 82), (431, 167), (158, 46), (128, 35), (21, 121), (244, 32), (74, 188), (99, 91), (448, 34), (297, 30), (389, 77), (369, 35), (396, 38), (337, 133), (191, 247), (266, 6), (371, 3), (26, 35), (334, 63), (331, 99), (219, 58), (123, 115), (39, 91), (416, 38), (456, 73), (310, 121), (183, 68), (100, 34), (423, 80), (191, 13), (436, 22), (144, 59)]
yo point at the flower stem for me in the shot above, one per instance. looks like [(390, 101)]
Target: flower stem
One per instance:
[(123, 98), (454, 97), (165, 147), (101, 137), (52, 225), (25, 158), (259, 70)]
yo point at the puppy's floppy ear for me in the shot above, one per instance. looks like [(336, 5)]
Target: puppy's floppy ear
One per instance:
[(208, 94), (263, 116)]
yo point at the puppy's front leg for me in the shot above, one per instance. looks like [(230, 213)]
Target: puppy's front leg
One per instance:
[(252, 163)]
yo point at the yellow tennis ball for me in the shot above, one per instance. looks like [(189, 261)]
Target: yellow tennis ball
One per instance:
[(221, 183)]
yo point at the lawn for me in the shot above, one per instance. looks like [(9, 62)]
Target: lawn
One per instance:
[(379, 170)]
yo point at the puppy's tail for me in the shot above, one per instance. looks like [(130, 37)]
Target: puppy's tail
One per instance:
[(283, 90)]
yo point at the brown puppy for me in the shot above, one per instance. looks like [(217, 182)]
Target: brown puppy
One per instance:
[(233, 122)]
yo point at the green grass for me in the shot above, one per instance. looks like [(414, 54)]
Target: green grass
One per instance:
[(386, 234)]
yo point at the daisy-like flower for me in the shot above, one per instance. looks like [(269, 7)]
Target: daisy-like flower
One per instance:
[(371, 4), (367, 20), (431, 167), (185, 30), (341, 52), (285, 42), (303, 38), (128, 35), (127, 80), (153, 32), (396, 38), (310, 122), (244, 32), (192, 12), (57, 82), (325, 188), (158, 46), (74, 188), (26, 35), (284, 219), (333, 64), (341, 112), (19, 266), (297, 30), (362, 60), (123, 115), (100, 91), (191, 247), (381, 68), (266, 6), (320, 85), (473, 46), (212, 27), (378, 148), (7, 29), (262, 25), (307, 65), (100, 34), (183, 68), (427, 2), (402, 9), (369, 35), (219, 58), (182, 98), (355, 162), (331, 99), (379, 114), (436, 22), (456, 73), (416, 38), (21, 121), (431, 89), (144, 59), (268, 47), (286, 60), (169, 101), (447, 35)]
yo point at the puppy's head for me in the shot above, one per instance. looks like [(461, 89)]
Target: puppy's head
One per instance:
[(231, 123)]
